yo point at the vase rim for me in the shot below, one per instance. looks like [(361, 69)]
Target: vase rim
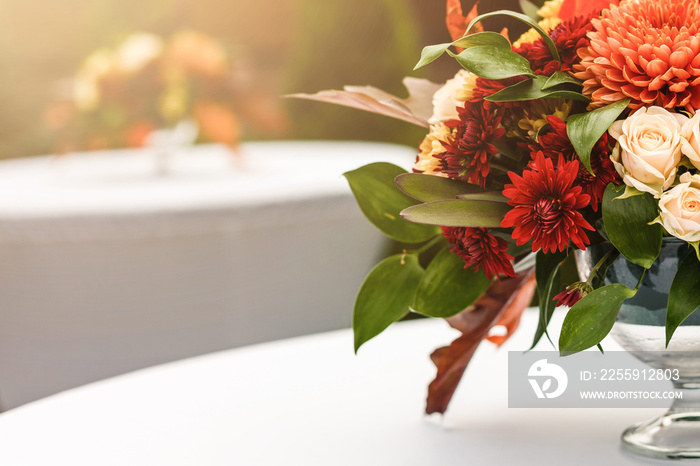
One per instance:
[(672, 239)]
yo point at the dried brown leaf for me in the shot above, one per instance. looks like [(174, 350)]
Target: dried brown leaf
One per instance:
[(416, 108), (511, 317), (502, 304)]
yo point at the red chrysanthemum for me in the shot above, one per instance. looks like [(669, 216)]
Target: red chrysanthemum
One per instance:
[(568, 37), (545, 206), (467, 153), (555, 143), (486, 87), (478, 247), (647, 50)]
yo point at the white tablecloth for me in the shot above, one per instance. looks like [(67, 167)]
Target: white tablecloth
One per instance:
[(310, 401), (107, 268)]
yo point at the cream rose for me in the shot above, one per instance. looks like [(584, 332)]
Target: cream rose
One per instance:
[(691, 140), (649, 148), (680, 209), (451, 95)]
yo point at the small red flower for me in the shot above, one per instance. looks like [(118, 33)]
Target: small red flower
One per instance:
[(478, 247), (573, 294), (555, 143), (467, 154), (545, 206)]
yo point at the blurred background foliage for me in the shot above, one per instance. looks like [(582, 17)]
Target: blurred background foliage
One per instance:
[(286, 46)]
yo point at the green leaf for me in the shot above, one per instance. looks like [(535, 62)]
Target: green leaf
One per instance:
[(493, 39), (585, 129), (683, 299), (559, 78), (458, 213), (630, 192), (495, 196), (531, 89), (530, 9), (627, 225), (548, 285), (382, 202), (433, 52), (525, 19), (428, 188), (543, 129), (696, 246), (447, 288), (551, 288), (385, 296), (513, 248), (592, 318), (493, 63)]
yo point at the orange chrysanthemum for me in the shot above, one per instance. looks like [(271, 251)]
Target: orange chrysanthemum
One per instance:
[(647, 50)]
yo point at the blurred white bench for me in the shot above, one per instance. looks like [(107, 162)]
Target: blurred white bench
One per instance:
[(106, 268)]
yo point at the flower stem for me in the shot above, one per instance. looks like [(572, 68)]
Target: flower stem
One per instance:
[(602, 266), (640, 280), (428, 245)]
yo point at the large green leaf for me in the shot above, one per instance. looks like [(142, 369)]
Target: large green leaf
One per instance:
[(493, 63), (627, 225), (382, 202), (592, 318), (525, 19), (495, 196), (458, 213), (585, 129), (433, 52), (428, 188), (684, 297), (548, 285), (385, 296), (532, 89), (447, 288)]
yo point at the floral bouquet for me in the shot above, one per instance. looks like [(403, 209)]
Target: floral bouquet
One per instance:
[(582, 131), (121, 96)]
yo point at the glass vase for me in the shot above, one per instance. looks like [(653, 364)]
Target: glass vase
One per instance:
[(640, 330)]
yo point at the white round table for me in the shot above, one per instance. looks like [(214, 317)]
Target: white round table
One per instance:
[(108, 268), (311, 401)]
